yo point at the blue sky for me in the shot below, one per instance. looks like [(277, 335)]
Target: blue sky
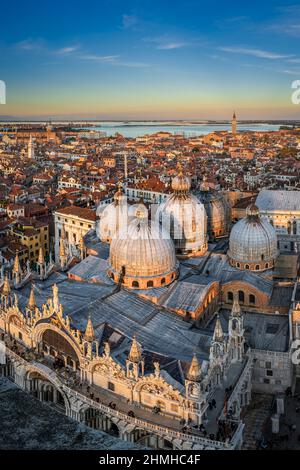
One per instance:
[(150, 59)]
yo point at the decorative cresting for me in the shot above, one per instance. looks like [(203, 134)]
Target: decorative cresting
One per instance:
[(113, 218), (142, 255), (184, 217), (253, 242)]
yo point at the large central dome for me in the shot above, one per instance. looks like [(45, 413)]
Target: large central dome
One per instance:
[(142, 256), (184, 217), (253, 242)]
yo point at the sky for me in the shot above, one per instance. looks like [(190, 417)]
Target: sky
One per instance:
[(109, 59)]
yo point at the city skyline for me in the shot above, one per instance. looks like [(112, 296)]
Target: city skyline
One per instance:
[(150, 61)]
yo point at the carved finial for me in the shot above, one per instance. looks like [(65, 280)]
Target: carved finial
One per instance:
[(156, 368), (17, 267), (41, 259), (179, 169), (135, 354), (218, 333), (31, 301), (236, 308), (6, 286), (194, 373), (89, 331), (55, 297)]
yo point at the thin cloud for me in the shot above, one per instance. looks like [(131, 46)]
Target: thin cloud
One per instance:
[(99, 58), (113, 60), (260, 53), (67, 50), (171, 45), (30, 45), (166, 43)]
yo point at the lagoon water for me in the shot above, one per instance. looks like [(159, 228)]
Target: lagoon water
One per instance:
[(189, 129)]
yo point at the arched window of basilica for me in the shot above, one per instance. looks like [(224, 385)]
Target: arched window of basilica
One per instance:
[(163, 281), (230, 297), (135, 284), (247, 266), (267, 265), (241, 296), (252, 299), (257, 267), (150, 284)]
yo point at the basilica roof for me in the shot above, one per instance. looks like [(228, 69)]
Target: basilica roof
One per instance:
[(276, 200)]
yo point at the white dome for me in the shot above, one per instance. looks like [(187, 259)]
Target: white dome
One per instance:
[(184, 217), (142, 254), (253, 242), (113, 217)]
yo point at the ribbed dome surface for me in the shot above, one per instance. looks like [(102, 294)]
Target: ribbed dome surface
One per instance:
[(184, 217), (143, 249), (217, 210), (253, 240), (113, 218)]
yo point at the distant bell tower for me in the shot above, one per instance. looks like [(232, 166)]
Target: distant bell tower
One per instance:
[(30, 148), (233, 124)]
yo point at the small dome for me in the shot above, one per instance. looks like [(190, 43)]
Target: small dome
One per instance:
[(113, 217), (142, 255), (253, 242)]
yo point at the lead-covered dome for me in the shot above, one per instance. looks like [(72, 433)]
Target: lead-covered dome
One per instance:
[(184, 217), (253, 242), (142, 255), (113, 217), (218, 212)]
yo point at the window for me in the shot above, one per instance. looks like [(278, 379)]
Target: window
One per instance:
[(268, 365), (251, 299), (238, 265), (20, 336), (135, 284), (266, 381), (111, 386), (230, 297), (241, 296), (150, 284), (257, 267), (247, 266), (163, 281), (270, 373)]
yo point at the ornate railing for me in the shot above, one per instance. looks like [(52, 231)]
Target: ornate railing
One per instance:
[(164, 431)]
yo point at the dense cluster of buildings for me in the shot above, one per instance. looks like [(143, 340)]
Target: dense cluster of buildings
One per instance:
[(148, 288)]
